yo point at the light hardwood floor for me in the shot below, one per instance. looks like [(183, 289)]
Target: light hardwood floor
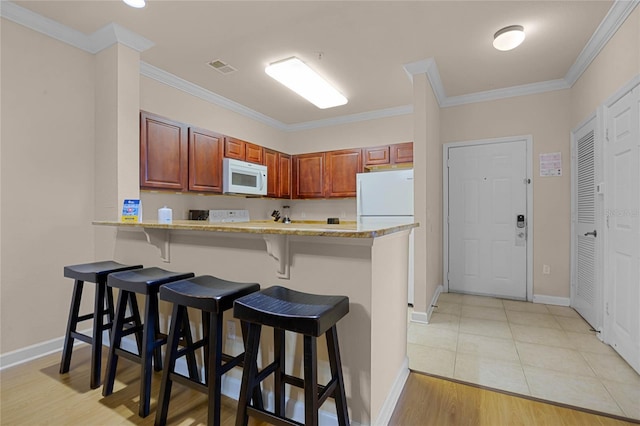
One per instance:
[(35, 393)]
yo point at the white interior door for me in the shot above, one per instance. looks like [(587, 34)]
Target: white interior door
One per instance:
[(586, 291), (487, 194), (622, 208)]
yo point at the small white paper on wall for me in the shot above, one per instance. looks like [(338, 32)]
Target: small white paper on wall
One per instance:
[(551, 164)]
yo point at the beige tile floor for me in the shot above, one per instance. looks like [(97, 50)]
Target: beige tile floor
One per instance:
[(543, 351)]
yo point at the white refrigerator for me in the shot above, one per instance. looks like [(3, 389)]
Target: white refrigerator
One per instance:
[(387, 196)]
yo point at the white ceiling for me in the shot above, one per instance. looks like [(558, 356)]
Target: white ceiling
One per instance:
[(365, 45)]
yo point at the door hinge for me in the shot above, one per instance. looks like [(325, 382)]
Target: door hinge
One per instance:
[(606, 134)]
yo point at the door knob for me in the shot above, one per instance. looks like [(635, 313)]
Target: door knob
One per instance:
[(594, 233)]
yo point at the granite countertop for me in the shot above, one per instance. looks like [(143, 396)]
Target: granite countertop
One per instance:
[(319, 229)]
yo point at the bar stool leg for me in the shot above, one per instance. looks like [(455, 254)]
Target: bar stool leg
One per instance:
[(72, 323), (257, 393), (249, 373), (98, 327), (149, 353), (310, 381), (214, 361), (335, 364), (185, 333), (116, 339), (279, 355), (169, 364)]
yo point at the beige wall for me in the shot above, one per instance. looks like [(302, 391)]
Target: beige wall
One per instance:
[(616, 65), (47, 181), (545, 117), (383, 131)]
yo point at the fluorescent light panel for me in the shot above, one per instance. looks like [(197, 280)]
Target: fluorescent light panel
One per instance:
[(297, 76), (135, 3)]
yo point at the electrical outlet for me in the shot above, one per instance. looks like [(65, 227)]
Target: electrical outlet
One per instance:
[(303, 215), (546, 269), (343, 215), (231, 330)]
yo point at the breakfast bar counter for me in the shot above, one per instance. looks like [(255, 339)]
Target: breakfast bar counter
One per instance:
[(366, 263), (314, 229)]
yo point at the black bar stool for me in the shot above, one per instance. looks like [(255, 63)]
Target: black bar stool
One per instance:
[(95, 272), (147, 282), (213, 296), (308, 314)]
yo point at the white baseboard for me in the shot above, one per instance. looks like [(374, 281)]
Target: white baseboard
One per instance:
[(36, 351), (551, 300), (419, 317), (425, 317), (392, 397), (434, 301)]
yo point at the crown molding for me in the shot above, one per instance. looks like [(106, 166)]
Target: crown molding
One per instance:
[(507, 92), (106, 36), (616, 16), (352, 118)]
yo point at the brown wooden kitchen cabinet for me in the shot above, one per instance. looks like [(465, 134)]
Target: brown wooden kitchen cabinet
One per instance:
[(340, 172), (163, 153), (278, 173), (402, 153), (205, 160), (374, 156), (271, 161), (398, 153), (242, 150), (284, 175), (308, 175)]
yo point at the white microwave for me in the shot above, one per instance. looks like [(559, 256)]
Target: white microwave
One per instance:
[(240, 177)]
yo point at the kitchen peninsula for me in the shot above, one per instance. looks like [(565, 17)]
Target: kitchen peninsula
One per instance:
[(367, 263)]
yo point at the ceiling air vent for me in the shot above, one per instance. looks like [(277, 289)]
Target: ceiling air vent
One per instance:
[(221, 66)]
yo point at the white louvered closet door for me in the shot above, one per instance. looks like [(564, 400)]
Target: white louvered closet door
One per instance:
[(587, 293)]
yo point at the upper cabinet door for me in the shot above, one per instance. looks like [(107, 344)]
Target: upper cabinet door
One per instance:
[(341, 169), (308, 175), (377, 155), (402, 153), (284, 175), (205, 160), (271, 161), (163, 153), (253, 153), (234, 148)]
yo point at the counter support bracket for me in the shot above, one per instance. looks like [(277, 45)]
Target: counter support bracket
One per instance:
[(278, 248), (160, 239)]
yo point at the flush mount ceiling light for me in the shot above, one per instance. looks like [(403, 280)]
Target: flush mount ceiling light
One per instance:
[(297, 76), (509, 37), (135, 3)]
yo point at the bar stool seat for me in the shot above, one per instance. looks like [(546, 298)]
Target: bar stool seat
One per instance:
[(95, 272), (212, 296), (312, 316), (146, 281)]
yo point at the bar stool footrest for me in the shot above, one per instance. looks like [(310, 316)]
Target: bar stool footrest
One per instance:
[(271, 418), (188, 382), (83, 337)]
